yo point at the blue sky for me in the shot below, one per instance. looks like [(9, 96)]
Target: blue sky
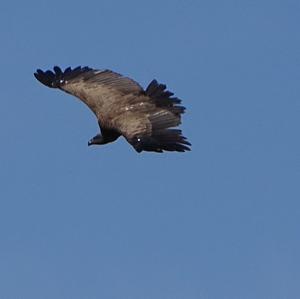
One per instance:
[(221, 221)]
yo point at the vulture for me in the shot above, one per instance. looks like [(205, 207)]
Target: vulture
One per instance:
[(145, 117)]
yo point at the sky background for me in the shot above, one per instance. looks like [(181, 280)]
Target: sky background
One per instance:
[(221, 221)]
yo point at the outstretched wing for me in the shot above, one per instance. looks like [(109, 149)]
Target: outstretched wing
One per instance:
[(152, 132), (149, 120), (100, 90)]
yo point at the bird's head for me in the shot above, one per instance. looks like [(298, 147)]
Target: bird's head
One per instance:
[(98, 139)]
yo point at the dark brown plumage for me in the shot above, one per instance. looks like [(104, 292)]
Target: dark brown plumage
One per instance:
[(146, 118)]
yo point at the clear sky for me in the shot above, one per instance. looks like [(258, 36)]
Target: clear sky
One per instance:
[(221, 221)]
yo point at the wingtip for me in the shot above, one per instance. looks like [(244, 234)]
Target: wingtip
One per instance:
[(46, 78), (57, 77), (57, 70)]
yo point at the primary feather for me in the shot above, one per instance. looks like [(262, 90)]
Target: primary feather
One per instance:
[(146, 118)]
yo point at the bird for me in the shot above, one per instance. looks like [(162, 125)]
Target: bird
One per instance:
[(147, 118)]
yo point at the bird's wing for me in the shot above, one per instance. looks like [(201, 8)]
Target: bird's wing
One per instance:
[(99, 90), (152, 131), (147, 120)]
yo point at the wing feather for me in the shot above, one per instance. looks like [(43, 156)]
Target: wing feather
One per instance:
[(98, 89), (153, 131)]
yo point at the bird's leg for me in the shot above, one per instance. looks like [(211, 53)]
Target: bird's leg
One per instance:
[(98, 139)]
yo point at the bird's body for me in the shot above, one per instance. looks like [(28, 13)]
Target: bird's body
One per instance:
[(146, 118)]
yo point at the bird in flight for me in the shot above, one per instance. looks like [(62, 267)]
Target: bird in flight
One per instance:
[(146, 118)]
